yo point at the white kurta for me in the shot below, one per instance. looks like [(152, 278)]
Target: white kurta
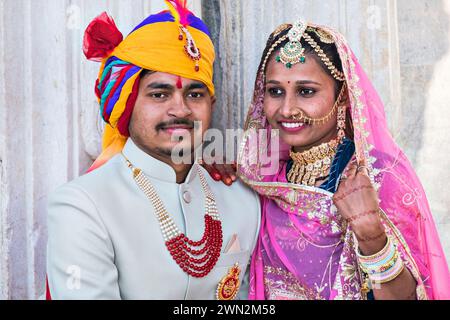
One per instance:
[(105, 241)]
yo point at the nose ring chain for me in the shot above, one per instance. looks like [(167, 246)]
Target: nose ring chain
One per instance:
[(302, 117)]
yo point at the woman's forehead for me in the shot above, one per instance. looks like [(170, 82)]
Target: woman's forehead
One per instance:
[(310, 70)]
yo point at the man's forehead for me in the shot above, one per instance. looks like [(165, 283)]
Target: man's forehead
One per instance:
[(170, 79)]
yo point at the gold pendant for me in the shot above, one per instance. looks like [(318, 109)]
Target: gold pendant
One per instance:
[(228, 287)]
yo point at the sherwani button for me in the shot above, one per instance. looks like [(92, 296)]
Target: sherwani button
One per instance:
[(187, 197)]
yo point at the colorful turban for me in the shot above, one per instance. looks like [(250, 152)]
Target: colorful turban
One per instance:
[(173, 41)]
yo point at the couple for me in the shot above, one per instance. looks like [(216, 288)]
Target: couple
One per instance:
[(343, 217)]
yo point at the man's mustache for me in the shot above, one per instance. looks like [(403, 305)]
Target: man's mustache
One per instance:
[(164, 125)]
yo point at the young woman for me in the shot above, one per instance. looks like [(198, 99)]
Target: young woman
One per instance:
[(344, 216)]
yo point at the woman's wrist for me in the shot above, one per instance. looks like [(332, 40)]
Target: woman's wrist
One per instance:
[(371, 238), (372, 246)]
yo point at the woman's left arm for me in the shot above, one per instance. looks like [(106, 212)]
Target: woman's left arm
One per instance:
[(357, 201)]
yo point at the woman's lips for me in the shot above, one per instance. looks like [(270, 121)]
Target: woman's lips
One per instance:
[(292, 127)]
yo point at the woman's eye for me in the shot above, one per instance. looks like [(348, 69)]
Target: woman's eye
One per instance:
[(275, 92), (307, 92)]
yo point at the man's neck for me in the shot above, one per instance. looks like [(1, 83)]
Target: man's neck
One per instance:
[(181, 170)]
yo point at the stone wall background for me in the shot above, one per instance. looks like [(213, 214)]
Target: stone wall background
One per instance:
[(50, 130)]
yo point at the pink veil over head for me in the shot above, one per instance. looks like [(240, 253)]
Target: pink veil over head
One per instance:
[(402, 198)]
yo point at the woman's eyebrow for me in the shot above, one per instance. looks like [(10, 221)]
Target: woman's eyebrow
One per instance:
[(299, 82), (307, 82), (273, 82)]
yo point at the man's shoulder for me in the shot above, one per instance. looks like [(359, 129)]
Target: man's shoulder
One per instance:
[(92, 183)]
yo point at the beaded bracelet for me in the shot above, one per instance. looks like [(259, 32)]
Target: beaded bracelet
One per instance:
[(388, 264), (383, 266), (389, 275)]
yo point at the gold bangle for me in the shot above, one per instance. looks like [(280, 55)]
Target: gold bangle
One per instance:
[(376, 255)]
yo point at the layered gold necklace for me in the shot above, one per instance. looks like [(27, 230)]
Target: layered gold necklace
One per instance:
[(312, 165)]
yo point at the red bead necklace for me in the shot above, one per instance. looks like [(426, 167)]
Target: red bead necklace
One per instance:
[(196, 258)]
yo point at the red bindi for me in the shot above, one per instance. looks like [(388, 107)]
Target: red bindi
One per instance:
[(179, 83)]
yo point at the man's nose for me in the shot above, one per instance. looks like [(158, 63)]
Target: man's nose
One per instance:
[(179, 108)]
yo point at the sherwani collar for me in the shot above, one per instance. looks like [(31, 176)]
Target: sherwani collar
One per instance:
[(153, 167)]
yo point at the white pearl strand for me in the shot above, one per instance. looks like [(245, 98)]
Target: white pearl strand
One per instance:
[(168, 227)]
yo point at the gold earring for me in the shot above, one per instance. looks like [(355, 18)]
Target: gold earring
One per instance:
[(341, 122)]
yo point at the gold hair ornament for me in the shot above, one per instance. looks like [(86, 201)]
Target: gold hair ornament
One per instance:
[(293, 52)]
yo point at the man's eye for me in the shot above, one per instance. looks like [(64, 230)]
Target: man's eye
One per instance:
[(195, 95), (158, 95), (307, 92), (275, 92)]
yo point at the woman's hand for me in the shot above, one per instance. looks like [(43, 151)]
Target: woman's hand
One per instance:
[(221, 172), (357, 201)]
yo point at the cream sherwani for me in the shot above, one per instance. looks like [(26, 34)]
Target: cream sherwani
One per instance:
[(105, 241)]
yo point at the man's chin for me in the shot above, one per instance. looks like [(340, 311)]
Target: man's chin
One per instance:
[(177, 149)]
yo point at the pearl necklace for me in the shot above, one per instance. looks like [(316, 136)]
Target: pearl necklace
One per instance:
[(197, 258)]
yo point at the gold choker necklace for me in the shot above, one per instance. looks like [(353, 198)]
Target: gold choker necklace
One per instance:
[(313, 164)]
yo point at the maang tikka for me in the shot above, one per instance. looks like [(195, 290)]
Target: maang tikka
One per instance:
[(293, 52)]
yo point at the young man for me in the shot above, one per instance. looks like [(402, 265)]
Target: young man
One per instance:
[(141, 225)]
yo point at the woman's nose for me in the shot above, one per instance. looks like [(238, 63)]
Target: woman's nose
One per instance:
[(288, 107)]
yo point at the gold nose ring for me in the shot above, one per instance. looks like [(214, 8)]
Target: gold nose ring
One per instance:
[(298, 116)]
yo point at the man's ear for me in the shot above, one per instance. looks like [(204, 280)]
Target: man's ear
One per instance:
[(213, 103)]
